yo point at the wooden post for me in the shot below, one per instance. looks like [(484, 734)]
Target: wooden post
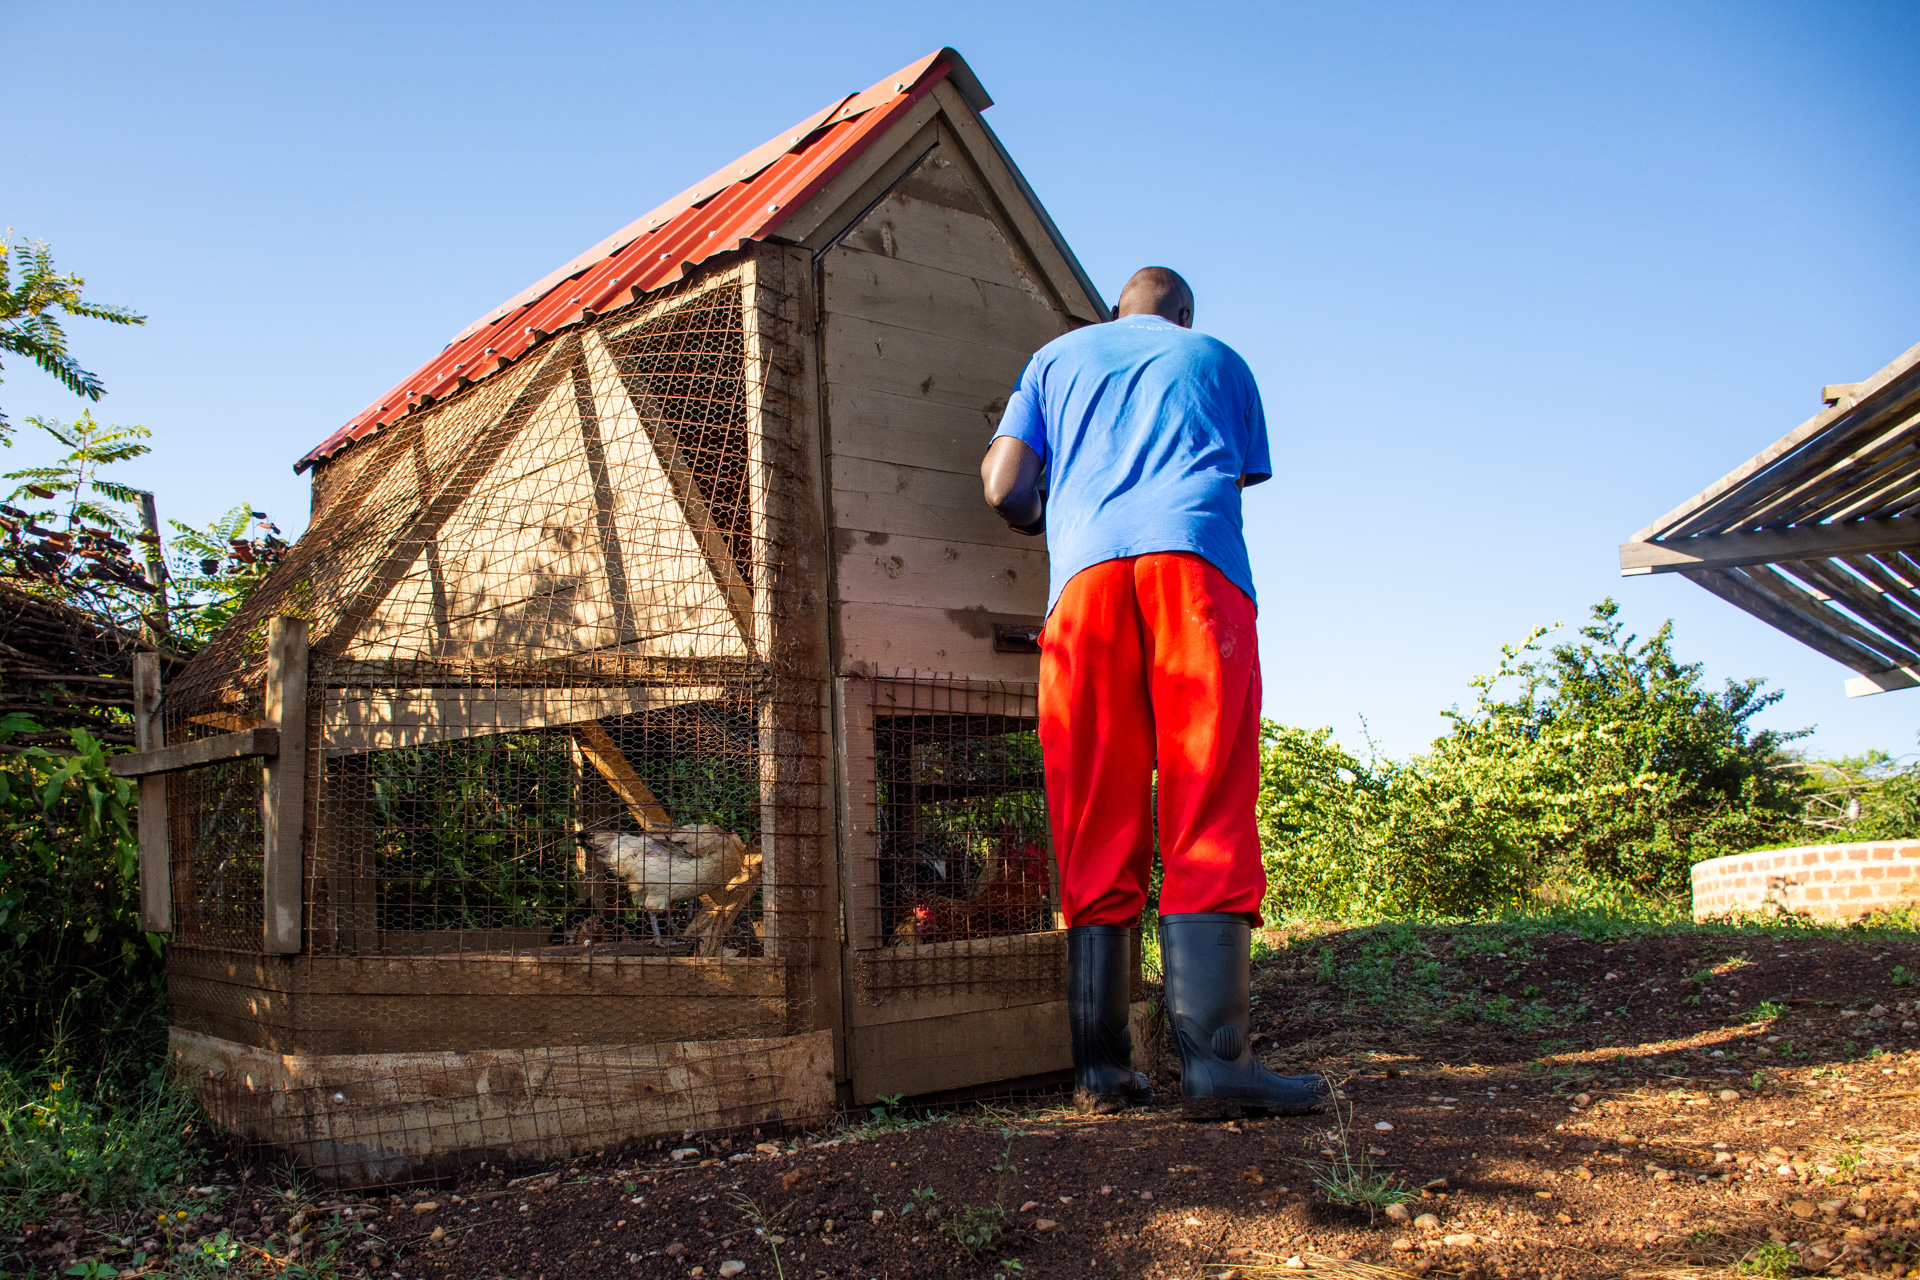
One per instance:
[(156, 875), (283, 806), (156, 565)]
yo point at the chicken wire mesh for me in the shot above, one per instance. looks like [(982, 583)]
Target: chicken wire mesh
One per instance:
[(962, 890), (564, 798)]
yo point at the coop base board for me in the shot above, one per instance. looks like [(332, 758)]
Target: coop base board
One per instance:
[(950, 1051), (357, 1119)]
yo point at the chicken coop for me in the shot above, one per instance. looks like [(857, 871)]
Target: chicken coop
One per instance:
[(642, 738)]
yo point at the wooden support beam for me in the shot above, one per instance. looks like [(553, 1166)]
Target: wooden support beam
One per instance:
[(604, 379), (719, 909), (156, 871), (597, 745), (192, 755), (1730, 550), (1883, 682), (283, 806), (1803, 623)]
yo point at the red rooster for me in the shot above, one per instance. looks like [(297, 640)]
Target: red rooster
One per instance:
[(1007, 899)]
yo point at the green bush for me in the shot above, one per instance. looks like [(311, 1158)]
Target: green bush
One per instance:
[(1347, 838), (75, 967), (1871, 796), (99, 1136), (85, 1105), (1603, 764)]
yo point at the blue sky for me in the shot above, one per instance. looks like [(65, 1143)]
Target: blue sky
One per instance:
[(1515, 279)]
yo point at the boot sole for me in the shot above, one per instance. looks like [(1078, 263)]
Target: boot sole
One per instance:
[(1210, 1109), (1228, 1109)]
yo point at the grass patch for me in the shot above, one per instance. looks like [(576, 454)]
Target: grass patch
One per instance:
[(886, 1117), (979, 1229), (1346, 1174), (1771, 1261), (765, 1226), (93, 1136)]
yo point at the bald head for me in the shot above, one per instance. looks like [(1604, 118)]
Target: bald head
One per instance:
[(1156, 291)]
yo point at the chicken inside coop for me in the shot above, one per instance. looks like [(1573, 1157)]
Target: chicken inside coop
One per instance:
[(1010, 897), (662, 866)]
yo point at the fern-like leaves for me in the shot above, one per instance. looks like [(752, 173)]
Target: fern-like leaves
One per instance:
[(30, 316)]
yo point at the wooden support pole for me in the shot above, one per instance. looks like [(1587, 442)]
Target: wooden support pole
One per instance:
[(156, 872), (156, 564), (283, 805), (598, 746)]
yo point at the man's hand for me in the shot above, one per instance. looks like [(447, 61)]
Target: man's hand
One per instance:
[(1011, 474)]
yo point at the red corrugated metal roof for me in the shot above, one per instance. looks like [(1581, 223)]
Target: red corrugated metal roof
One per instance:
[(745, 201)]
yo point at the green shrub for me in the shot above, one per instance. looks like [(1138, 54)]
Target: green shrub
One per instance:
[(75, 966), (85, 1104), (1603, 765), (1871, 796), (73, 1131)]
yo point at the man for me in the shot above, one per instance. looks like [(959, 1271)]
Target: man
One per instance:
[(1127, 444)]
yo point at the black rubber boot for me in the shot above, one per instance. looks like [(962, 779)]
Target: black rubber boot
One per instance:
[(1206, 962), (1099, 957)]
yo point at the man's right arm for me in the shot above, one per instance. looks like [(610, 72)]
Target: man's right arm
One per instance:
[(1010, 474), (1011, 470)]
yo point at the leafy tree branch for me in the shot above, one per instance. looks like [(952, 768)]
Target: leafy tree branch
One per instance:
[(30, 314)]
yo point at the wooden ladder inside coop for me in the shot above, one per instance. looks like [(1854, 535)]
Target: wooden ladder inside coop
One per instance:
[(718, 909)]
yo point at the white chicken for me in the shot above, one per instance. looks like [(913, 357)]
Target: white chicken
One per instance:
[(668, 864)]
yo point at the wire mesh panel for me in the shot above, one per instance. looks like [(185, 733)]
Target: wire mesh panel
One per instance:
[(215, 813), (630, 834), (956, 887), (566, 747), (214, 827), (962, 826)]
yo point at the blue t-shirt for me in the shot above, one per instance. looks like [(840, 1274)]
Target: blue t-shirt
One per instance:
[(1142, 428)]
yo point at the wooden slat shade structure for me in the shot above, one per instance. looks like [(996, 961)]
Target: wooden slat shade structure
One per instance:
[(1819, 534)]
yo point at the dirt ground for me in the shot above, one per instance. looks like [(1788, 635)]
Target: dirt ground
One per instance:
[(1689, 1105)]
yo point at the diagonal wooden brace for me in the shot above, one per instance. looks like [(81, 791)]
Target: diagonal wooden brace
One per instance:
[(598, 746), (719, 909)]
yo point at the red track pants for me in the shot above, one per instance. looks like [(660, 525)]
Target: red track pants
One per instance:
[(1152, 658)]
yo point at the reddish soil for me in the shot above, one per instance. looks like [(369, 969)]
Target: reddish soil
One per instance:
[(1600, 1126)]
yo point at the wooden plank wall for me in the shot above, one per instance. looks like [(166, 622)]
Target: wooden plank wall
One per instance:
[(401, 1116), (406, 1004), (930, 311)]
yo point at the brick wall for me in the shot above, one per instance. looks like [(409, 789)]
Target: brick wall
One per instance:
[(1837, 881)]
